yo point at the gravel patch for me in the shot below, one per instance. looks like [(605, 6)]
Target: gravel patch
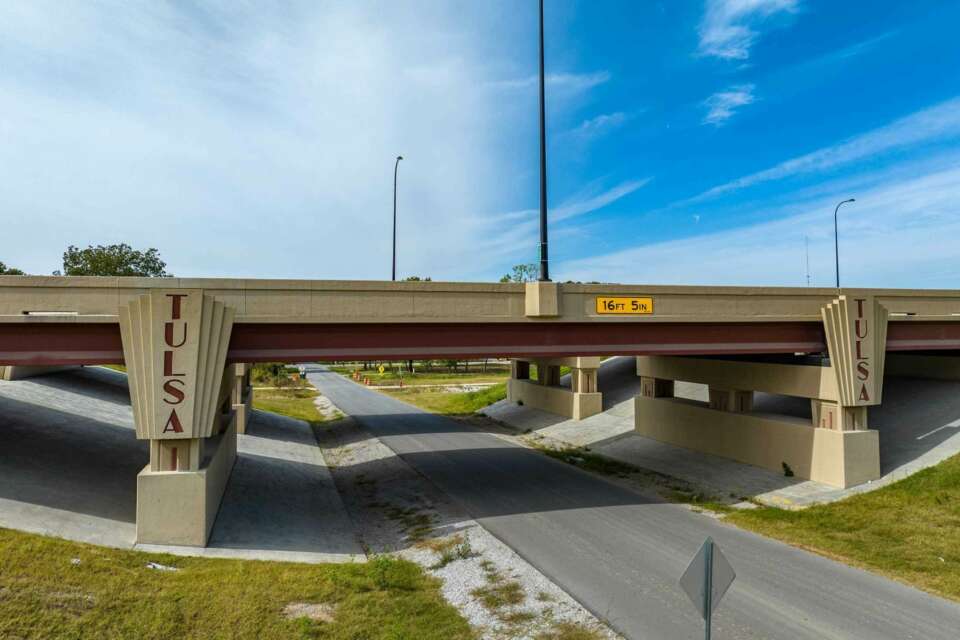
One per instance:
[(399, 512)]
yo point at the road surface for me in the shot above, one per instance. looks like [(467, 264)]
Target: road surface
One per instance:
[(621, 555)]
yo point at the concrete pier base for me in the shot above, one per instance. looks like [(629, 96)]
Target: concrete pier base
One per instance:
[(180, 507), (580, 400)]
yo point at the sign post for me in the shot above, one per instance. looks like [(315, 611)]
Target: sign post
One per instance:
[(706, 580)]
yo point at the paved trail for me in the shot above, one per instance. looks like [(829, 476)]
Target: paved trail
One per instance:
[(621, 555)]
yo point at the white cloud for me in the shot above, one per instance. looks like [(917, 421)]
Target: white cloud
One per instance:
[(895, 235), (598, 126), (564, 82), (722, 105), (727, 28), (938, 123), (241, 139), (513, 235)]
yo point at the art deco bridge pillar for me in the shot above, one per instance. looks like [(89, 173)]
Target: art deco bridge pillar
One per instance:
[(175, 348), (856, 332)]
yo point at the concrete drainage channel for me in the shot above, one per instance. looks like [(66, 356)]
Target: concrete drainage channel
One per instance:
[(397, 511)]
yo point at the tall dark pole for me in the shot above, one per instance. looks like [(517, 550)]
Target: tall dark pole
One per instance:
[(393, 273), (544, 263), (836, 238)]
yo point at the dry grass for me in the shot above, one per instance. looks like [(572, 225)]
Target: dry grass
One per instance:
[(294, 403), (569, 631), (51, 588)]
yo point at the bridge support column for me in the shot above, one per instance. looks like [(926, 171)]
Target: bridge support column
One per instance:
[(242, 395), (651, 387), (835, 447), (579, 401), (175, 345), (732, 400)]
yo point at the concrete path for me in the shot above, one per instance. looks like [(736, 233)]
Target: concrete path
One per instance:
[(914, 423), (69, 464), (621, 555)]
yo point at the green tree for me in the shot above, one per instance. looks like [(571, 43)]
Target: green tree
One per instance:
[(113, 260), (521, 273), (10, 271)]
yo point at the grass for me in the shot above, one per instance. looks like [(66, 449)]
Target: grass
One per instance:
[(446, 403), (293, 403), (449, 549), (909, 530), (589, 461), (391, 377), (499, 594), (568, 631), (51, 588)]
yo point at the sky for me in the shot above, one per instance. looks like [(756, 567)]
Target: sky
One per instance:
[(689, 142)]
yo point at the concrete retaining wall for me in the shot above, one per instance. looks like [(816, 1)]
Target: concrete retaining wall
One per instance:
[(559, 400), (838, 458)]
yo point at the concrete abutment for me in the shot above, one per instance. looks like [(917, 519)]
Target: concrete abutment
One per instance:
[(580, 400), (835, 446)]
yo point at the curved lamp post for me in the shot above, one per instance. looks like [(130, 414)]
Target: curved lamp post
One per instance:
[(836, 239), (396, 165)]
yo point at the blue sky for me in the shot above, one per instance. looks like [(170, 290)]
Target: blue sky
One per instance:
[(690, 142)]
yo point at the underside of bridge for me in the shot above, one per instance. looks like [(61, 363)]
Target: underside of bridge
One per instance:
[(187, 343)]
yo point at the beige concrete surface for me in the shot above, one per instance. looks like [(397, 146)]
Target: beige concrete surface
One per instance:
[(856, 331), (175, 345), (93, 299), (542, 299), (559, 400), (180, 507), (836, 458), (804, 381), (579, 400), (241, 395)]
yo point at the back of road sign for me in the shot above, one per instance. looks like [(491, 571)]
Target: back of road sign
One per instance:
[(695, 579)]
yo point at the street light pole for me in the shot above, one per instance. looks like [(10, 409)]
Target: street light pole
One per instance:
[(544, 264), (393, 273), (836, 238)]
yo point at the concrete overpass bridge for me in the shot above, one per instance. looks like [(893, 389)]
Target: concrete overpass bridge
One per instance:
[(187, 343)]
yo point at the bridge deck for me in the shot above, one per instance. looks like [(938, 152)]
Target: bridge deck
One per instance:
[(59, 320)]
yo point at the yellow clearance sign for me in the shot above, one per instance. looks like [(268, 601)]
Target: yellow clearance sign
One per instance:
[(628, 306)]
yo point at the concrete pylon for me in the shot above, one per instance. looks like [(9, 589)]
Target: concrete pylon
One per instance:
[(175, 347), (856, 331)]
